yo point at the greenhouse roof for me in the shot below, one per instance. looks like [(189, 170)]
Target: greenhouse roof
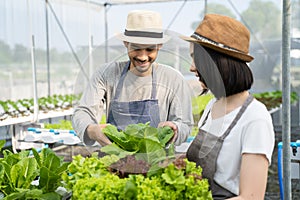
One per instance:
[(117, 2)]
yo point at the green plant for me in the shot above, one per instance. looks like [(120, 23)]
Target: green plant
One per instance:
[(63, 124), (199, 103), (146, 142), (91, 178), (19, 170), (25, 106), (273, 99)]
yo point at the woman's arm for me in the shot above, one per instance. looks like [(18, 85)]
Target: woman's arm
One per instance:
[(253, 177)]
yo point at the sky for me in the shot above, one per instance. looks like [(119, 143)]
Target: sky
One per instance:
[(23, 18)]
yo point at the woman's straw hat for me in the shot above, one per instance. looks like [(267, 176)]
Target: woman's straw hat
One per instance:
[(144, 27), (223, 34)]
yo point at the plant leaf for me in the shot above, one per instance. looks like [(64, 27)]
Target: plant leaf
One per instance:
[(2, 143), (23, 173), (165, 134), (52, 162), (48, 180), (37, 157), (150, 151), (119, 138), (113, 149)]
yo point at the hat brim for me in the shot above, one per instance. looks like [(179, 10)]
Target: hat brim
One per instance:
[(236, 54), (143, 40)]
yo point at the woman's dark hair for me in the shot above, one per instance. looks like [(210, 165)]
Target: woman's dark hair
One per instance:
[(222, 74)]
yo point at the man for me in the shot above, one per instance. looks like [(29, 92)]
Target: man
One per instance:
[(136, 91)]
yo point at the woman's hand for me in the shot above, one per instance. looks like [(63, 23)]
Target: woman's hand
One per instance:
[(94, 132)]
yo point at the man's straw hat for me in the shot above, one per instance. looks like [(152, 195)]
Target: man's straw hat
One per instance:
[(223, 34), (144, 27)]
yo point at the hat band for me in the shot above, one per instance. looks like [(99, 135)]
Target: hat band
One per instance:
[(143, 34), (204, 39)]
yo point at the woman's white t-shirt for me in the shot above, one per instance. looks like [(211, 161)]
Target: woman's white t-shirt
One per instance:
[(253, 133)]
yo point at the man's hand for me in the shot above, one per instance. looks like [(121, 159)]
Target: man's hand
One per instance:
[(173, 127), (94, 131)]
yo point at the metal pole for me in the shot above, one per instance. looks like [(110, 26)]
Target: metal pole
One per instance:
[(68, 42), (35, 96), (286, 107), (47, 48), (205, 7), (106, 32), (90, 37), (176, 15)]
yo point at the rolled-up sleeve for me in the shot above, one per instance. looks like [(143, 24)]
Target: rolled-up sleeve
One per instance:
[(181, 111), (90, 108)]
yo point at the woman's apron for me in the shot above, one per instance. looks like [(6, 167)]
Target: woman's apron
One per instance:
[(122, 114), (205, 149)]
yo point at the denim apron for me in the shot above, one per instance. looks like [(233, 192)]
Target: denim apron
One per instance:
[(122, 114), (205, 149)]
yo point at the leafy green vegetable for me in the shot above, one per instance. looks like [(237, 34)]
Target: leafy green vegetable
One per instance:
[(33, 194), (63, 124), (23, 173), (273, 99), (120, 138), (90, 179), (150, 151), (2, 143), (19, 170), (129, 165), (146, 142), (85, 168), (108, 186), (164, 135), (174, 177)]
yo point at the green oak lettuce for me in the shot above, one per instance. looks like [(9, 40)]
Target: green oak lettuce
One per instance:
[(91, 179), (138, 165)]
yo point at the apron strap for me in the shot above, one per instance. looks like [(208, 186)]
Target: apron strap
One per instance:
[(238, 116), (153, 92), (123, 75), (204, 121)]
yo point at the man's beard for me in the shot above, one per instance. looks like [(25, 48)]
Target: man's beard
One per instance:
[(142, 69)]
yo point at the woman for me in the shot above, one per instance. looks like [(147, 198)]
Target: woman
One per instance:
[(235, 142)]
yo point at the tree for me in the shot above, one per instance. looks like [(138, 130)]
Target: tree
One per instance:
[(214, 8), (263, 18), (5, 53), (21, 54), (296, 14)]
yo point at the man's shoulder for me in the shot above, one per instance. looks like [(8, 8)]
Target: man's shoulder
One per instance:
[(115, 64), (169, 69), (113, 67)]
